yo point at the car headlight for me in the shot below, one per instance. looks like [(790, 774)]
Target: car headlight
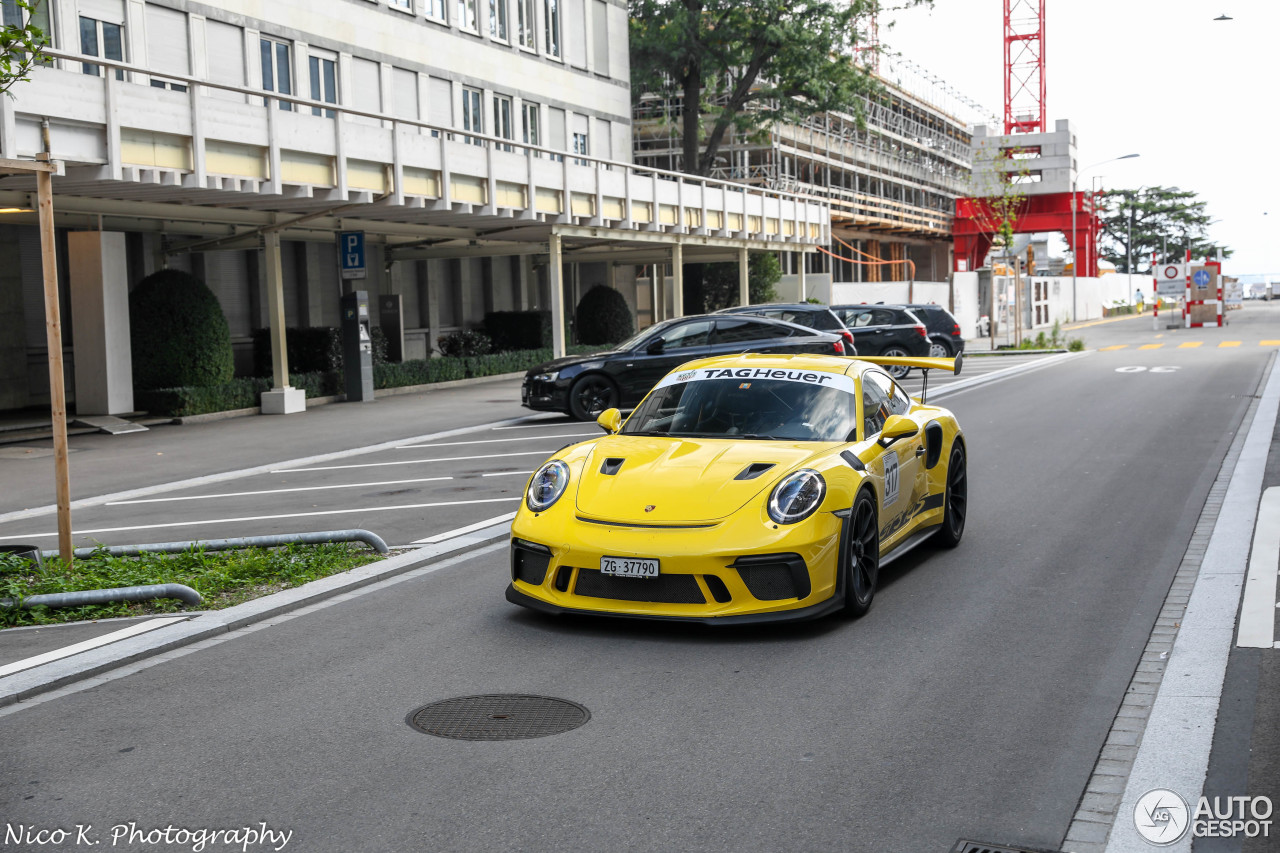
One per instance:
[(797, 496), (548, 484), (547, 377)]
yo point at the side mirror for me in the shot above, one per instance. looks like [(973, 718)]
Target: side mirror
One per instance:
[(896, 427), (610, 420), (655, 347)]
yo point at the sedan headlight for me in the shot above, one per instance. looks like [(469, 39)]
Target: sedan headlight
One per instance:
[(548, 484), (797, 496), (546, 377)]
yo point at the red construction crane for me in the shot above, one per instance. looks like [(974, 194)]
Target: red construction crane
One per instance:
[(1024, 66)]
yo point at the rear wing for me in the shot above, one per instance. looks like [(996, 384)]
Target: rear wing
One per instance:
[(924, 365)]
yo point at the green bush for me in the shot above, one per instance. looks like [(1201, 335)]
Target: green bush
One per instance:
[(242, 393), (518, 330), (178, 334), (316, 349), (602, 317), (464, 343), (418, 371)]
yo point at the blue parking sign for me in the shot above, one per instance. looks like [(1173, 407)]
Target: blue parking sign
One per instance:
[(351, 254)]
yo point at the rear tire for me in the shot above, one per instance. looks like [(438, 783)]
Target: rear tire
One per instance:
[(897, 371), (591, 395), (864, 555), (955, 503), (939, 349)]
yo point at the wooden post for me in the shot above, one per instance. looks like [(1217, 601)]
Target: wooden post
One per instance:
[(53, 336)]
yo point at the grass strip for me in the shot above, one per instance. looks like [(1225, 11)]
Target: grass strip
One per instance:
[(223, 578)]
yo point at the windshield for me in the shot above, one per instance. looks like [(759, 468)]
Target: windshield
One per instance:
[(749, 403)]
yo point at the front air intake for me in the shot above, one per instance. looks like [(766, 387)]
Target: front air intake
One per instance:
[(755, 469)]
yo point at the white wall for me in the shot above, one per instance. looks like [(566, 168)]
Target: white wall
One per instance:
[(960, 298)]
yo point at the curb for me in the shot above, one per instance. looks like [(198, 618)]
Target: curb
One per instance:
[(208, 624)]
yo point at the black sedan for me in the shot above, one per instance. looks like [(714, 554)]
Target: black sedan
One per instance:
[(586, 385), (889, 330)]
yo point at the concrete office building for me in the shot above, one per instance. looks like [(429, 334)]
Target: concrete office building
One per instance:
[(482, 146)]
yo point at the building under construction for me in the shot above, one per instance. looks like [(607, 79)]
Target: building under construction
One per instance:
[(892, 182)]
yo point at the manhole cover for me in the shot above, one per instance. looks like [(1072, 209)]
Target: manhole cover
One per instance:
[(498, 717)]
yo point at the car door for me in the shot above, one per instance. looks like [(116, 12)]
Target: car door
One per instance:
[(657, 357), (900, 464)]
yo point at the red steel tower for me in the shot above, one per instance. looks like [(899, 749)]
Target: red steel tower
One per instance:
[(1024, 66)]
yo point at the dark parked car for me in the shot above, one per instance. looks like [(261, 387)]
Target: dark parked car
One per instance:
[(945, 339), (586, 385), (889, 330), (809, 314)]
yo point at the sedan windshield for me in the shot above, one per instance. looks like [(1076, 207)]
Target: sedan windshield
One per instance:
[(749, 407)]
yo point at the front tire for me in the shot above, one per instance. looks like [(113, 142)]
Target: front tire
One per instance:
[(864, 555), (897, 371), (591, 395), (955, 503)]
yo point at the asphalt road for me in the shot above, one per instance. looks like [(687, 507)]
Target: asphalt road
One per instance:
[(971, 702)]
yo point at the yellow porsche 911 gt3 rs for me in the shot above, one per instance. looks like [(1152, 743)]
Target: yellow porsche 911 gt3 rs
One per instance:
[(746, 488)]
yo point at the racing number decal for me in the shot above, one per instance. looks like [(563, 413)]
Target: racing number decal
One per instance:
[(891, 477)]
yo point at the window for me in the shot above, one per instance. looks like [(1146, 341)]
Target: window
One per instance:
[(324, 82), (100, 38), (167, 50), (736, 331), (435, 9), (529, 124), (580, 147), (502, 125), (277, 68), (467, 15), (404, 92), (471, 117), (551, 15), (693, 334), (876, 389), (498, 19), (524, 19), (402, 4), (37, 18)]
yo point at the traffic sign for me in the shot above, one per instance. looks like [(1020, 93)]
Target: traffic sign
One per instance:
[(1201, 278), (351, 254)]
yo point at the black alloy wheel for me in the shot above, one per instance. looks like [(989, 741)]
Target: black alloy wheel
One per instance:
[(591, 395), (897, 371), (955, 504), (864, 555), (939, 349)]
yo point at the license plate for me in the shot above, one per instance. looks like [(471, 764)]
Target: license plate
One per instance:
[(628, 567)]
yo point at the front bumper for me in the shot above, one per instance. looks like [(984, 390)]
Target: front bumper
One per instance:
[(544, 396), (706, 574)]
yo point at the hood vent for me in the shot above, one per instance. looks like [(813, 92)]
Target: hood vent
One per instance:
[(755, 469), (612, 465)]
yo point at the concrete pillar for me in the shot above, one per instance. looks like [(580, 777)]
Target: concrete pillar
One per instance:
[(677, 280), (556, 274), (100, 311), (281, 399), (655, 293), (804, 294), (744, 282), (311, 295)]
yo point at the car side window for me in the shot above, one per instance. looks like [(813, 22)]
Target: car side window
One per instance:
[(881, 317), (690, 335), (857, 319), (877, 392), (738, 329)]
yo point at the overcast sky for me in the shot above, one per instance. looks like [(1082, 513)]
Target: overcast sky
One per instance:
[(1197, 98)]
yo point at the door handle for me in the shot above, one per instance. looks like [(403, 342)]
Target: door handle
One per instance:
[(919, 452)]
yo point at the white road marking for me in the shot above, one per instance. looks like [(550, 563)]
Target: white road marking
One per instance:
[(77, 648), (540, 426), (505, 473), (278, 491), (1258, 610), (348, 511), (412, 462), (501, 440), (449, 534)]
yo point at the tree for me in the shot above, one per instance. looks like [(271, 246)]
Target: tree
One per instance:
[(1162, 220), (179, 335), (22, 37), (710, 287), (747, 64)]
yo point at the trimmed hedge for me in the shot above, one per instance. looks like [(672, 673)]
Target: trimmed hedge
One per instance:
[(603, 317), (178, 333), (316, 349), (245, 393)]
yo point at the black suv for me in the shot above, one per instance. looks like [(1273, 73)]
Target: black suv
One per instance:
[(945, 339), (888, 330), (810, 314), (586, 385)]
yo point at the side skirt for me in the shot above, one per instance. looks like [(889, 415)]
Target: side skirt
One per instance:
[(909, 545)]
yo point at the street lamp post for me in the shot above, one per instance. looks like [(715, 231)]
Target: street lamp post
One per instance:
[(1075, 203)]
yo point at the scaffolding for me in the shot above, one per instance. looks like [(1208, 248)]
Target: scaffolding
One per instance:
[(892, 183)]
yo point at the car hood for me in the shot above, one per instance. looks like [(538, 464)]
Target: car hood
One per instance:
[(568, 361), (681, 480)]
